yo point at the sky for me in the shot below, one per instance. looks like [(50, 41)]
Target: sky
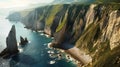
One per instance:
[(20, 3)]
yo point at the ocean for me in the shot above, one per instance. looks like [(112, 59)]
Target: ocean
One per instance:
[(34, 54)]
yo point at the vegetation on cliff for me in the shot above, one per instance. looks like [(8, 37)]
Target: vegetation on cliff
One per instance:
[(93, 28)]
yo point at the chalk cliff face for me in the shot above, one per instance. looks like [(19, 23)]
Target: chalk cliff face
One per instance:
[(93, 28)]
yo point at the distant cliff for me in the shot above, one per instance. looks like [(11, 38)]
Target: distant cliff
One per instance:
[(93, 28), (15, 16)]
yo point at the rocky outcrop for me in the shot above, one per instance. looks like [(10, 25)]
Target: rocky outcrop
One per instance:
[(100, 37), (93, 28), (113, 29), (23, 41), (11, 43)]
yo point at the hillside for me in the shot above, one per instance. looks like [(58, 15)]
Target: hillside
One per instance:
[(93, 28)]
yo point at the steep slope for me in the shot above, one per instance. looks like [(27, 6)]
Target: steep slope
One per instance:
[(101, 35), (94, 29)]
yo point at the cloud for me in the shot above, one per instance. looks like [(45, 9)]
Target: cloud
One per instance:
[(20, 3)]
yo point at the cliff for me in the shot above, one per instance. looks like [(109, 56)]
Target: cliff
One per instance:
[(15, 16), (93, 28)]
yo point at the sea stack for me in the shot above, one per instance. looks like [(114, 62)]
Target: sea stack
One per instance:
[(23, 41), (26, 40), (11, 43)]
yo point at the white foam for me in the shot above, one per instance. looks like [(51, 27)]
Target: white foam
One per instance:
[(49, 45), (52, 37), (52, 62), (17, 44), (42, 34), (29, 41), (40, 31), (20, 49), (44, 44), (47, 35), (50, 51)]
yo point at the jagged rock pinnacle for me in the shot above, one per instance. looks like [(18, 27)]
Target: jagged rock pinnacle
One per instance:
[(11, 43), (11, 40)]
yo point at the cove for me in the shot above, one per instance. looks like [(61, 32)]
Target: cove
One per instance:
[(35, 53)]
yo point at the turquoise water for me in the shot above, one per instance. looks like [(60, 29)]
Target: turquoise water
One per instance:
[(35, 54)]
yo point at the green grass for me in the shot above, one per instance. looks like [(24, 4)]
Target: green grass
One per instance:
[(108, 1), (110, 6), (109, 58), (42, 15), (87, 37), (51, 15), (63, 22)]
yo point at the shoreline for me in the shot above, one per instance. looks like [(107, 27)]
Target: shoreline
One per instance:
[(80, 58), (74, 52)]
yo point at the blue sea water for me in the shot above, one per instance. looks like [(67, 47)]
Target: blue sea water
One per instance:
[(35, 54)]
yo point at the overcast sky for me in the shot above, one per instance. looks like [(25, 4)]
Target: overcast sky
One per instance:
[(20, 3)]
